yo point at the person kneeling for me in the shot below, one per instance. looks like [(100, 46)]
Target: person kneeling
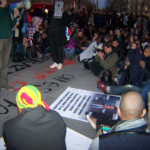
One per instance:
[(36, 127)]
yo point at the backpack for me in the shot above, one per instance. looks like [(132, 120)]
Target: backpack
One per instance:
[(107, 78)]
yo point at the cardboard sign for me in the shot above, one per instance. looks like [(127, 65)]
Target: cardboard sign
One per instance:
[(58, 9)]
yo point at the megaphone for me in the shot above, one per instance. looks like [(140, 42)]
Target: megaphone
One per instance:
[(27, 4)]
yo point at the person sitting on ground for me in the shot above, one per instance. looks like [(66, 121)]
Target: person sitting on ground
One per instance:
[(120, 51), (131, 113), (107, 60), (96, 35), (44, 48), (145, 63), (132, 73), (18, 38), (81, 42), (118, 35), (37, 127), (109, 36), (69, 48), (89, 32), (117, 90)]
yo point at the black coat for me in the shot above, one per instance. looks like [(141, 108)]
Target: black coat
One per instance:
[(35, 129), (57, 29)]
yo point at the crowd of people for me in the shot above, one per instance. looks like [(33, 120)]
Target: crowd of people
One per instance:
[(115, 47)]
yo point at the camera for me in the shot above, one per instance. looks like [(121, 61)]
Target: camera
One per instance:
[(99, 50)]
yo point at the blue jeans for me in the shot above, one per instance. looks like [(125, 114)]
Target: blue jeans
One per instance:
[(118, 90), (144, 92), (67, 52), (46, 50)]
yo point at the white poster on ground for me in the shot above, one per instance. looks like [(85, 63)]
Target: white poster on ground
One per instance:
[(77, 141), (76, 103), (2, 144)]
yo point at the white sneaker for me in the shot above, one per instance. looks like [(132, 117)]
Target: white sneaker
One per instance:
[(53, 65), (59, 66)]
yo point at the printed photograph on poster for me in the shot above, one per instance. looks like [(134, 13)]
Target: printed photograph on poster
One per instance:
[(75, 103)]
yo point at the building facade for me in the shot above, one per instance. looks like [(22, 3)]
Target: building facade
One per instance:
[(138, 7)]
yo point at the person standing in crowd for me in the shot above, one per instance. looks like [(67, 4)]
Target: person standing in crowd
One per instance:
[(6, 34), (36, 127), (126, 20), (18, 37), (58, 37)]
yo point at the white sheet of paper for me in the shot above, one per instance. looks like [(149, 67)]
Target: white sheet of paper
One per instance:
[(58, 9), (2, 147), (77, 141)]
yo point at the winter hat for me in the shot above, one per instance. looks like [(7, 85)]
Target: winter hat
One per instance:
[(29, 97)]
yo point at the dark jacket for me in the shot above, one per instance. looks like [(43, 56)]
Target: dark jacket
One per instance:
[(35, 129), (124, 135), (57, 29), (6, 23), (120, 51), (134, 71), (81, 41), (109, 62)]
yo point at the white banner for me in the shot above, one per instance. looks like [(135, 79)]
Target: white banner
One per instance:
[(75, 103), (2, 144), (58, 9)]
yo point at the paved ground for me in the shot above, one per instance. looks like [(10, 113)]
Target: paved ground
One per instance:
[(51, 83)]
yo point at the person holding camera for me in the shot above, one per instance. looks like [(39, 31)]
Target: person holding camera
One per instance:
[(105, 60)]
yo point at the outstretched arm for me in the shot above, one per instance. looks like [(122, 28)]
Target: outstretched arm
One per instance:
[(24, 3)]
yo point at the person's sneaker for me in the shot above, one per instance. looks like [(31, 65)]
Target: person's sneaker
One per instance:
[(8, 88), (54, 65), (59, 66), (101, 85)]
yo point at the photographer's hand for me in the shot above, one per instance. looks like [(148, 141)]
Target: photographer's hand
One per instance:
[(101, 55)]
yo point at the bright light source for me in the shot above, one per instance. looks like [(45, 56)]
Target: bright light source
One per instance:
[(46, 11)]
